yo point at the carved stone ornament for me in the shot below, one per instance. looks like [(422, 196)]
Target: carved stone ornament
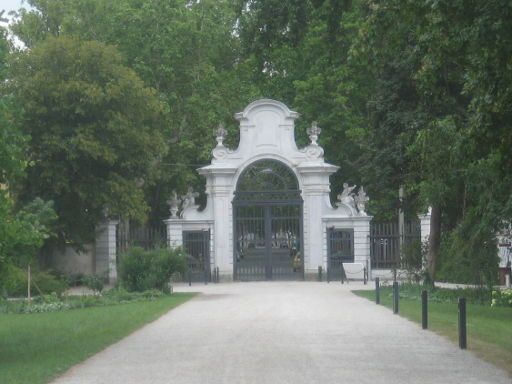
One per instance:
[(220, 151), (361, 199), (346, 199), (174, 203), (221, 135), (313, 150), (313, 132), (189, 200)]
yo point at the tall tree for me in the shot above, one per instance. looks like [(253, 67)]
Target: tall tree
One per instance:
[(185, 50), (22, 228), (94, 132)]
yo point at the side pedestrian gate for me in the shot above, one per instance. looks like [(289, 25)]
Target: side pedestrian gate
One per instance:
[(340, 249), (197, 246)]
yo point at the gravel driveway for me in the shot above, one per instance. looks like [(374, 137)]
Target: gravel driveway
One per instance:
[(280, 332)]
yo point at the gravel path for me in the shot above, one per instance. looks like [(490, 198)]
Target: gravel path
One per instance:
[(278, 332)]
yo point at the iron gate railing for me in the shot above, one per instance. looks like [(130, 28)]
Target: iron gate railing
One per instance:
[(268, 242), (144, 236), (340, 249), (385, 250), (196, 245)]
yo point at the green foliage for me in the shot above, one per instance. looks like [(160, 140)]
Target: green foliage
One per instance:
[(42, 282), (54, 302), (412, 258), (480, 296), (469, 255), (141, 270), (94, 130), (186, 51), (502, 298), (412, 93), (93, 282)]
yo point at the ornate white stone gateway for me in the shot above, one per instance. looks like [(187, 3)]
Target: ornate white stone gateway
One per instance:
[(268, 213)]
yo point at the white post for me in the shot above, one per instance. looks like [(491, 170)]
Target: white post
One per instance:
[(425, 230), (174, 232), (28, 284), (106, 251)]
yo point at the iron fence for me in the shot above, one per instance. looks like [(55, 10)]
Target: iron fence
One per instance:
[(385, 252)]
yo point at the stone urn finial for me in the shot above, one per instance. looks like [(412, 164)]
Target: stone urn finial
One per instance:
[(313, 132), (174, 203), (221, 135)]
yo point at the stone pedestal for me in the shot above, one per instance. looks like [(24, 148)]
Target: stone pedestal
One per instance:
[(105, 250)]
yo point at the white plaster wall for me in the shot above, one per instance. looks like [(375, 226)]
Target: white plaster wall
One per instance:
[(71, 261)]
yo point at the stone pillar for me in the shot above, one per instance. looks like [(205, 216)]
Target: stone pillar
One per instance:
[(425, 226), (174, 232), (105, 250), (223, 232), (424, 232), (361, 226), (313, 234)]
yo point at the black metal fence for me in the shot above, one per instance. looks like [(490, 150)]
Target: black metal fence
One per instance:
[(385, 252), (144, 236)]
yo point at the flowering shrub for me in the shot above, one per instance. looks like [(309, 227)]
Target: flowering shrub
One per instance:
[(502, 298)]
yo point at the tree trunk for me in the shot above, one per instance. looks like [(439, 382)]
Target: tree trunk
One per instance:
[(434, 242)]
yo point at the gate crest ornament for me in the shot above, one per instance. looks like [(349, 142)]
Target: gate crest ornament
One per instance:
[(220, 151)]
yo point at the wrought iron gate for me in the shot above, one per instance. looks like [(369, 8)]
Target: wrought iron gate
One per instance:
[(267, 214), (340, 249), (197, 246)]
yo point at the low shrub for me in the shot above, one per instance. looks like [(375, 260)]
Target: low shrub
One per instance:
[(42, 282), (142, 270), (93, 282), (502, 298)]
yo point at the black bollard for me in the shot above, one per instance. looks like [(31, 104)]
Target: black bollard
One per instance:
[(365, 276), (319, 273), (424, 309), (462, 324), (377, 290), (395, 297), (189, 278)]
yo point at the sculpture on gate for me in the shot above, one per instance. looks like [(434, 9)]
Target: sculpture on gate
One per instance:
[(361, 199), (174, 203), (354, 204), (189, 200)]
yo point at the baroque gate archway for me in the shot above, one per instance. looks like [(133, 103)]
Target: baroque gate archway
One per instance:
[(267, 223), (268, 213)]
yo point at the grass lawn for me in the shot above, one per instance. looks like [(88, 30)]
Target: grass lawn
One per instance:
[(489, 329), (35, 348)]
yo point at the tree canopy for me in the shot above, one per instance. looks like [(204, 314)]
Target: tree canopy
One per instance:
[(94, 128), (118, 101)]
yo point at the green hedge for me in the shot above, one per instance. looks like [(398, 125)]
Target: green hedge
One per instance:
[(142, 270)]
